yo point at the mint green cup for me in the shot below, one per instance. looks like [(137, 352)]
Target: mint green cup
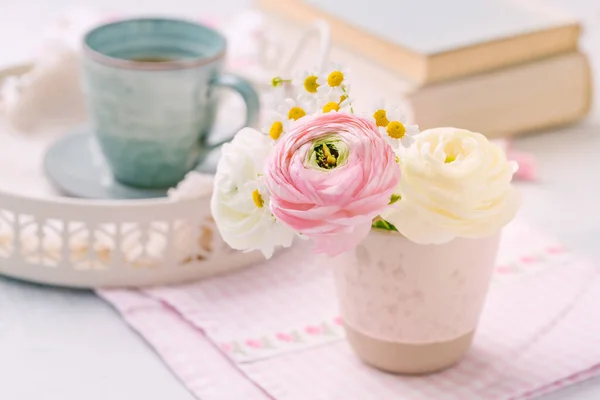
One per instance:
[(151, 87)]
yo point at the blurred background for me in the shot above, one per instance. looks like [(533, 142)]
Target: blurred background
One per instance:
[(539, 87)]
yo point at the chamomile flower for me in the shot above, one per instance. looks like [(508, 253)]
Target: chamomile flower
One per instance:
[(276, 125), (306, 85), (293, 110), (335, 81), (278, 82), (333, 102), (391, 122), (281, 88)]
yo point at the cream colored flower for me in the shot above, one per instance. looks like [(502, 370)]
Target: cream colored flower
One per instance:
[(455, 183), (392, 124), (240, 202)]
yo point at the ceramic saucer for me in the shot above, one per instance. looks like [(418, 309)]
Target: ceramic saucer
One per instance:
[(76, 166)]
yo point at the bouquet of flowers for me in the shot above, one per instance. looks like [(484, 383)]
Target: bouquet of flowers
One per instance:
[(323, 171)]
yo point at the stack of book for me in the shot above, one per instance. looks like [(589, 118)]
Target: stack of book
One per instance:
[(500, 67)]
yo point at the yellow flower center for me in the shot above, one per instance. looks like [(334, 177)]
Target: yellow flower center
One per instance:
[(395, 130), (342, 98), (335, 78), (381, 118), (453, 151), (276, 130), (331, 106), (449, 158), (257, 198), (310, 84), (296, 113), (331, 160)]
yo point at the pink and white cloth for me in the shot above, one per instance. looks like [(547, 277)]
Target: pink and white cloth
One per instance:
[(271, 331)]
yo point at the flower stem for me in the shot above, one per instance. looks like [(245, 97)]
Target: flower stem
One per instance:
[(349, 101)]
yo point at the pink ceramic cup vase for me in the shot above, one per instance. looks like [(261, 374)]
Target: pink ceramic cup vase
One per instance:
[(410, 308)]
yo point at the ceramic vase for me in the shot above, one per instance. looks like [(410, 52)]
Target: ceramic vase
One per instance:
[(413, 309)]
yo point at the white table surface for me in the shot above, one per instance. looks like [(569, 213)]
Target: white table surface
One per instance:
[(58, 344)]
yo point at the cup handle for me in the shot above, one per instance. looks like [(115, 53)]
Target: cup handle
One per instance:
[(249, 95)]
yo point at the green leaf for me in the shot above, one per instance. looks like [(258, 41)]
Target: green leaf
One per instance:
[(383, 224), (394, 198)]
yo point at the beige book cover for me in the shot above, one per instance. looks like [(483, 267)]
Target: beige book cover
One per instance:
[(431, 40), (539, 95)]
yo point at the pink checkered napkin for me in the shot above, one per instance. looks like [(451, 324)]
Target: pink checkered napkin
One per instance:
[(196, 361), (275, 326)]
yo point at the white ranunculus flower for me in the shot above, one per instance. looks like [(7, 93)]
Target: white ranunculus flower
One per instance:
[(240, 203), (455, 183)]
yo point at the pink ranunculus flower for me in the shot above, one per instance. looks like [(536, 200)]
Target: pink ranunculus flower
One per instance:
[(329, 177)]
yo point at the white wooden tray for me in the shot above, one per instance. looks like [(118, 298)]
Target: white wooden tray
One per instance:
[(52, 239)]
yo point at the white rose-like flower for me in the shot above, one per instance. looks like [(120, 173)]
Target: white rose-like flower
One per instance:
[(240, 203), (455, 183)]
